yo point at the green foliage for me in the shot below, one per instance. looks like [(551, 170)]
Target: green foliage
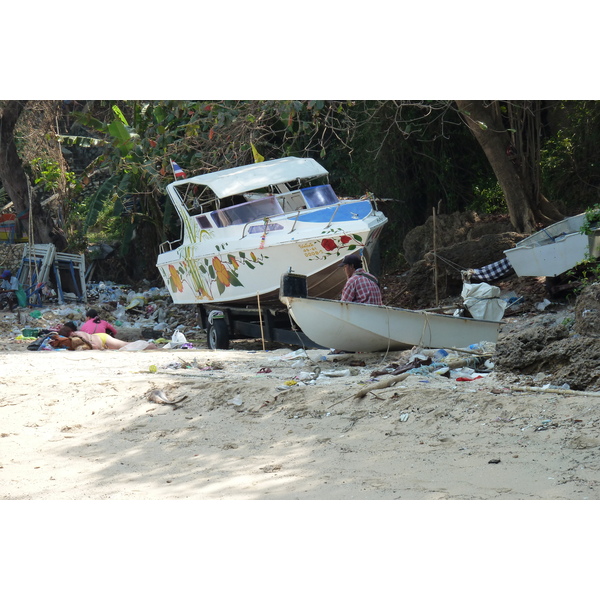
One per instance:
[(568, 322), (50, 175), (586, 272), (570, 157), (591, 221), (416, 154), (97, 203), (488, 198)]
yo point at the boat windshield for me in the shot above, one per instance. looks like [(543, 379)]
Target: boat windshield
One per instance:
[(319, 195), (247, 212)]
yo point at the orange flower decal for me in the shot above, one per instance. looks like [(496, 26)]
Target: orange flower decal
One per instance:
[(221, 271), (175, 279), (203, 293)]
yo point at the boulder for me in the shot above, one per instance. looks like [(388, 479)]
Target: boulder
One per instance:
[(587, 311)]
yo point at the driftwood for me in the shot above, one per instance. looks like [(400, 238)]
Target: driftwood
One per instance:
[(380, 385), (523, 388)]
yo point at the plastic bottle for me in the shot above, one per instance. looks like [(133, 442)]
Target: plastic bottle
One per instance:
[(440, 355)]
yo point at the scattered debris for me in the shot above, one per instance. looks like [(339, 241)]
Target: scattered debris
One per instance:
[(159, 397)]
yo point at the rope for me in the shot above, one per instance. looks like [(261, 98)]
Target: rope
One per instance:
[(454, 265)]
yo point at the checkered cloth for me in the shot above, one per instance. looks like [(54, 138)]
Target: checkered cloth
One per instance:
[(492, 272)]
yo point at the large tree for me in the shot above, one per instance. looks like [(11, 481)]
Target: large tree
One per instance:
[(36, 219), (510, 134)]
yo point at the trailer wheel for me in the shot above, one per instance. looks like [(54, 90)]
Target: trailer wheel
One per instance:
[(217, 335)]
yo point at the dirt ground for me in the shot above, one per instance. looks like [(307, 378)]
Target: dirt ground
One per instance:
[(248, 424)]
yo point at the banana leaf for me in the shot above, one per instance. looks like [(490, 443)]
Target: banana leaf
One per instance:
[(119, 132), (98, 200), (79, 140)]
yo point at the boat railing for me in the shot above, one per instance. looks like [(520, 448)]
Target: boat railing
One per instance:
[(333, 215), (169, 245)]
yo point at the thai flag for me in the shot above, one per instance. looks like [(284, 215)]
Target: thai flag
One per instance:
[(177, 170)]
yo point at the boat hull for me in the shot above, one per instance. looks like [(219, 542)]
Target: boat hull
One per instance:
[(211, 271), (553, 250), (370, 328)]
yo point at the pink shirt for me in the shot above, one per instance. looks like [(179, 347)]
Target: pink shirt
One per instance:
[(90, 327)]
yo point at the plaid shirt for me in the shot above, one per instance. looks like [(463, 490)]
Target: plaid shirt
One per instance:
[(363, 288)]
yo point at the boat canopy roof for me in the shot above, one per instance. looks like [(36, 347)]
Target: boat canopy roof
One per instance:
[(247, 178)]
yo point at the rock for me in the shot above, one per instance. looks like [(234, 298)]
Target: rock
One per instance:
[(572, 359), (587, 311), (583, 442), (463, 241), (452, 230)]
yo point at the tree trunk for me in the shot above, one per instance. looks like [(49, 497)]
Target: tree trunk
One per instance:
[(489, 131), (38, 223)]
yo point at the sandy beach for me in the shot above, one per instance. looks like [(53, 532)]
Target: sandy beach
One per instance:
[(243, 425), (248, 424)]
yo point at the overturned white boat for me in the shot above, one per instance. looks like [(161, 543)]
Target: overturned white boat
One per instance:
[(242, 227), (371, 328), (553, 250)]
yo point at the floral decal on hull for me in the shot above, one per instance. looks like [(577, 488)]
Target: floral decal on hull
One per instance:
[(210, 277), (203, 275), (330, 245)]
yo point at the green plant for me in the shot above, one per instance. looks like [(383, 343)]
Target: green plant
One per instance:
[(50, 175), (488, 198), (568, 322), (591, 220), (587, 272)]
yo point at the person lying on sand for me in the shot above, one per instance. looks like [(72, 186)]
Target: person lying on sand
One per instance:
[(92, 341)]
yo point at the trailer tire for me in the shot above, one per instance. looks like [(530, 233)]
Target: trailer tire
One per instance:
[(217, 335)]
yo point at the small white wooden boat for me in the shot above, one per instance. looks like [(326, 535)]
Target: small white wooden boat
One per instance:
[(553, 250), (242, 227), (370, 328)]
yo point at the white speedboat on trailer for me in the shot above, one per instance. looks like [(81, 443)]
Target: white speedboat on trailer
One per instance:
[(358, 327), (242, 227), (554, 249)]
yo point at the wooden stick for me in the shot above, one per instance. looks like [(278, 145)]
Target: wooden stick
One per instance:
[(381, 384), (435, 269), (524, 388), (262, 333)]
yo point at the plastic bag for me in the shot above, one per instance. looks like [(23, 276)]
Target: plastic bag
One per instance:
[(21, 296), (178, 337), (177, 340), (40, 343)]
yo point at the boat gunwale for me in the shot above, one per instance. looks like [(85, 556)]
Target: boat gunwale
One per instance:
[(397, 308)]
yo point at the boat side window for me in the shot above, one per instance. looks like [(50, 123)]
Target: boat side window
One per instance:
[(291, 201), (203, 221), (319, 195), (247, 212)]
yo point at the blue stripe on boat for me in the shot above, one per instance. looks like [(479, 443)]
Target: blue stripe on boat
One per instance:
[(345, 212)]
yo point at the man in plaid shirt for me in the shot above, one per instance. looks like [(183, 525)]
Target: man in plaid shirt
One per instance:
[(361, 287)]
